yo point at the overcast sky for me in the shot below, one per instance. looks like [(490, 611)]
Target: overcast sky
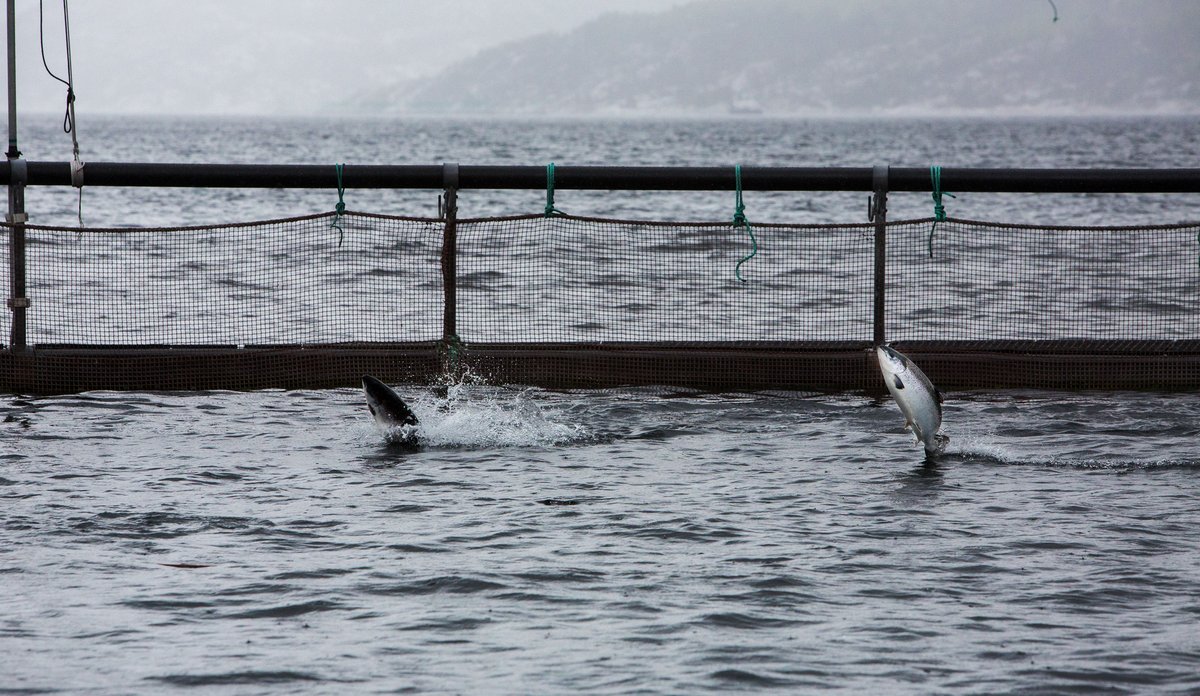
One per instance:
[(266, 56)]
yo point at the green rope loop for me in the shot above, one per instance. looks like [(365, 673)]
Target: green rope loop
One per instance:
[(939, 210), (340, 208), (739, 220), (550, 209)]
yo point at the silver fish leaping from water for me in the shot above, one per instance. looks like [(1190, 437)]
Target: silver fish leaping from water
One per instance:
[(918, 399)]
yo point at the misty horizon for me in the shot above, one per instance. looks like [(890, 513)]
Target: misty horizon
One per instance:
[(618, 59)]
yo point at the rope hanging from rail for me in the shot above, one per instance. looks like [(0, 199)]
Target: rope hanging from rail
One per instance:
[(939, 210), (454, 353), (739, 220), (340, 208), (550, 209), (69, 117)]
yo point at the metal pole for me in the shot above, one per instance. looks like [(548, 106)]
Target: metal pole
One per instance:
[(878, 214), (17, 301), (450, 342), (12, 81)]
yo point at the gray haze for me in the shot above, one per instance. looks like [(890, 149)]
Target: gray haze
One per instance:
[(267, 56), (704, 57)]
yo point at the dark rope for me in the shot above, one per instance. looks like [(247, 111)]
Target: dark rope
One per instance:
[(42, 41), (939, 210), (550, 209), (69, 118), (340, 208), (454, 352), (739, 220), (69, 115)]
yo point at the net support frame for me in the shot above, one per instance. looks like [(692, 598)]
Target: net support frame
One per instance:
[(837, 365), (877, 206)]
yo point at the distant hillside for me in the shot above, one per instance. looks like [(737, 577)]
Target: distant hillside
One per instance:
[(837, 56)]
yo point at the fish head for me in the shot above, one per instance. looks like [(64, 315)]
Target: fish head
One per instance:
[(890, 361)]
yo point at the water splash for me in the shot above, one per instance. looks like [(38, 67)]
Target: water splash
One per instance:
[(474, 415), (986, 449), (975, 447)]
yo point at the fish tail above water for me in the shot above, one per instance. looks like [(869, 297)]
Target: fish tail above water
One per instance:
[(393, 416)]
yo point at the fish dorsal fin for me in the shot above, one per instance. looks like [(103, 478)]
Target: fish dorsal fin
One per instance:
[(896, 380)]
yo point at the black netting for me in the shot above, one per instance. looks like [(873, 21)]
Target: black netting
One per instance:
[(580, 302), (571, 279), (294, 281), (984, 281), (5, 284)]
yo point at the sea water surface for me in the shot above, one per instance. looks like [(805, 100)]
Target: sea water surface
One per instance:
[(625, 541)]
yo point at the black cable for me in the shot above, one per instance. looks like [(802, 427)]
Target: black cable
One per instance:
[(68, 120)]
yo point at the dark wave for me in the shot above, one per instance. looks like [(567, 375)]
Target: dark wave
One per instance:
[(743, 677), (447, 584), (738, 620), (284, 611), (237, 678)]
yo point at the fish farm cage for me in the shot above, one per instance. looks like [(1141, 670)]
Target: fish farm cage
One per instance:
[(567, 302)]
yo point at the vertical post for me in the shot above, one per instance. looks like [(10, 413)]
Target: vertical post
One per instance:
[(12, 80), (877, 212), (17, 301), (451, 345)]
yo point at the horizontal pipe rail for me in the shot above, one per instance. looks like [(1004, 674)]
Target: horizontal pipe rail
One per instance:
[(185, 175)]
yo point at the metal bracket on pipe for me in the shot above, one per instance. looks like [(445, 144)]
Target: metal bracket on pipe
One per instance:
[(450, 187), (877, 202), (18, 303), (19, 175), (18, 172), (76, 173)]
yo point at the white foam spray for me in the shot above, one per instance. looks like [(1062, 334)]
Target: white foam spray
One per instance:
[(474, 415)]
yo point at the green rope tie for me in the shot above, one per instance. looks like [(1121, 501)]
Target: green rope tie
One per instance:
[(739, 220), (939, 210), (454, 351), (550, 209), (340, 208)]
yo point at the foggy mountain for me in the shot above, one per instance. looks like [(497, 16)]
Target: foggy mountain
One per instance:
[(835, 57)]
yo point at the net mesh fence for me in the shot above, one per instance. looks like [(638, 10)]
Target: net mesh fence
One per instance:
[(983, 281), (296, 281), (654, 302), (570, 280)]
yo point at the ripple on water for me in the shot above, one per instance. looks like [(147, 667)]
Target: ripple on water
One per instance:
[(248, 678), (446, 584), (693, 564)]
